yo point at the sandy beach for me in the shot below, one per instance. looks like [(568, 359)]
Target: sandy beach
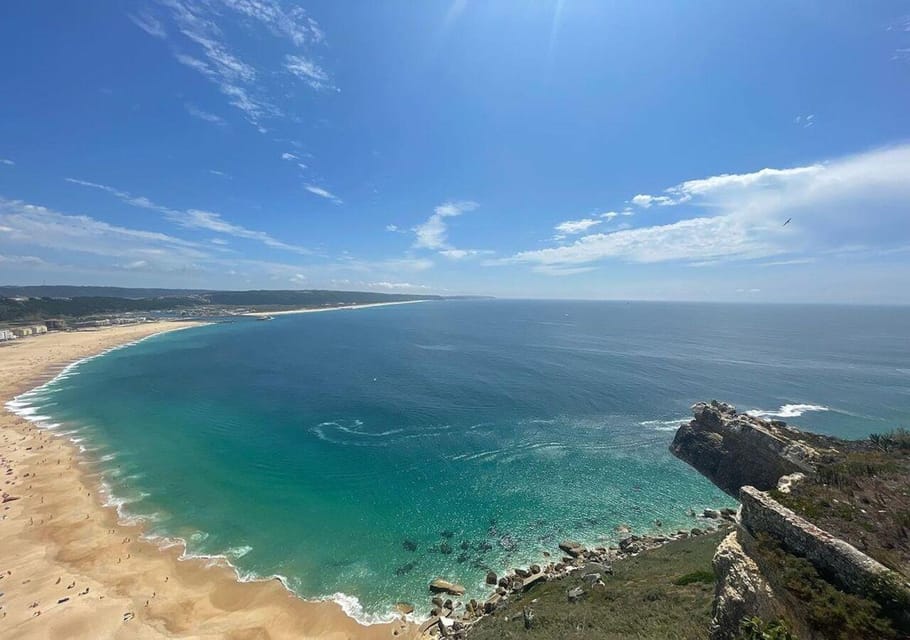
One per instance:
[(265, 314), (69, 569)]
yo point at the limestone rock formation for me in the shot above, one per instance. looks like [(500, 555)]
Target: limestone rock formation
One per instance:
[(733, 449), (740, 590)]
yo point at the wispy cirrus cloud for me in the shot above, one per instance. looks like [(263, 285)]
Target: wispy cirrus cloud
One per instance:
[(149, 23), (310, 72), (323, 193), (7, 162), (199, 41), (205, 116), (194, 218), (25, 224)]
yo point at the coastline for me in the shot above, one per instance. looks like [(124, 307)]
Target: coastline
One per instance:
[(265, 314), (71, 568)]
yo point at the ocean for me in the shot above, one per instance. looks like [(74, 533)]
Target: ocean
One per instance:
[(361, 453)]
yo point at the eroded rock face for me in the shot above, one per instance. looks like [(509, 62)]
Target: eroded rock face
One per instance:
[(739, 590), (733, 449)]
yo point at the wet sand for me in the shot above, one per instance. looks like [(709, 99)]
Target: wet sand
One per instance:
[(68, 569)]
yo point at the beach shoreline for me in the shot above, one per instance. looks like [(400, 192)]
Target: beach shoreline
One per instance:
[(287, 312), (69, 567)]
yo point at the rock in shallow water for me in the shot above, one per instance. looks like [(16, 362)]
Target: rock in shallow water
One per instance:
[(444, 586)]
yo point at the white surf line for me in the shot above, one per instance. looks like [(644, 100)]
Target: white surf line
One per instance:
[(262, 314)]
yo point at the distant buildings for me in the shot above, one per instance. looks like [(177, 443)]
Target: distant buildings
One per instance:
[(26, 330)]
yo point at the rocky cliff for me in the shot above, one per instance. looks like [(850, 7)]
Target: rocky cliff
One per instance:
[(778, 565), (734, 450)]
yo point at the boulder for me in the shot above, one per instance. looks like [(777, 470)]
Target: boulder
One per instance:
[(491, 578), (710, 513), (535, 568), (530, 581), (572, 548), (404, 608), (575, 594), (444, 586), (492, 603)]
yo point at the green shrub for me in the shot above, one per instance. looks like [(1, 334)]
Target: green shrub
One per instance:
[(757, 629), (895, 439)]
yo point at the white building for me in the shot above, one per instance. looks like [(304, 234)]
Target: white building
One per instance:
[(6, 334)]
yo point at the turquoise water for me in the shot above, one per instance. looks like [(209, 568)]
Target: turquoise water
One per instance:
[(483, 432)]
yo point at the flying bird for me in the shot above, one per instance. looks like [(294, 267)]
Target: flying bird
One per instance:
[(787, 222)]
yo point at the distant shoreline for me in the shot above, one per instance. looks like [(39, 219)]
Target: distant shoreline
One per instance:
[(287, 312)]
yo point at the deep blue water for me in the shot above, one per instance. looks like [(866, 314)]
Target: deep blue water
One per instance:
[(314, 445)]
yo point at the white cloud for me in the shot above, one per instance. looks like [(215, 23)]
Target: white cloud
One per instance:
[(573, 227), (805, 121), (197, 29), (194, 218), (288, 156), (646, 201), (149, 24), (285, 20), (25, 224), (697, 238), (298, 278), (308, 71), (323, 193), (432, 234), (196, 112), (396, 285), (458, 254), (717, 186), (391, 227), (220, 174), (860, 199), (7, 162)]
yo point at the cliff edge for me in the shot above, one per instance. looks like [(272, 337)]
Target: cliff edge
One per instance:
[(822, 545)]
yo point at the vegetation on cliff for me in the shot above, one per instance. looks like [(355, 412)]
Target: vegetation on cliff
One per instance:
[(660, 594), (862, 497)]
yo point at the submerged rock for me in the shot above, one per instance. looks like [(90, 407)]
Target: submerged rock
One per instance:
[(409, 545), (404, 608)]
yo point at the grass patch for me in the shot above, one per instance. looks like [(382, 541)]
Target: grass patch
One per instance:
[(641, 600), (695, 577)]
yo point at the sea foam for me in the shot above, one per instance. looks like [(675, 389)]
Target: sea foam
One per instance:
[(787, 411)]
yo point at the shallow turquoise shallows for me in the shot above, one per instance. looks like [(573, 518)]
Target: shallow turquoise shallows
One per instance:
[(366, 452)]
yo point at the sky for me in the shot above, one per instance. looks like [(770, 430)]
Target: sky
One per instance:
[(756, 151)]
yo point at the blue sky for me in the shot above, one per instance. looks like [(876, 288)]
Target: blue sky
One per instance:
[(572, 149)]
